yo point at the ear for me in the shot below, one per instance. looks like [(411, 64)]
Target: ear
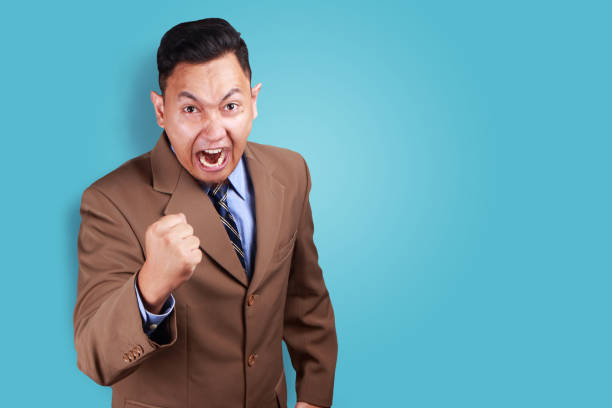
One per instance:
[(158, 105), (254, 93)]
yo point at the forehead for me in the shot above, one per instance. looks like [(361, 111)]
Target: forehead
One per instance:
[(211, 78)]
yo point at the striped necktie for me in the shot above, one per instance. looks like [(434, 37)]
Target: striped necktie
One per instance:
[(218, 195)]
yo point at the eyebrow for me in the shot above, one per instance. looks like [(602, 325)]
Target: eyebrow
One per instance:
[(191, 96)]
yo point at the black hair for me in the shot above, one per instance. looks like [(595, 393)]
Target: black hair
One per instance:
[(197, 42)]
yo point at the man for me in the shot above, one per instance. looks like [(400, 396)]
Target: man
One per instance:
[(197, 258)]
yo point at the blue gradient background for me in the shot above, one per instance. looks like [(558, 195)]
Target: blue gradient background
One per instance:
[(460, 158)]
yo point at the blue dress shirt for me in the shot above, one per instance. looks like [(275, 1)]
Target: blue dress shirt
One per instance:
[(240, 200)]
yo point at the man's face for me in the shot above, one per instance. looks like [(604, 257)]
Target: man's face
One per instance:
[(207, 111)]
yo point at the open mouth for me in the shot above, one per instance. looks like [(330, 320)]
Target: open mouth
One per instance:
[(213, 159)]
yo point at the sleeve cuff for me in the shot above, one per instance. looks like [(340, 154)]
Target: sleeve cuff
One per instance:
[(150, 321)]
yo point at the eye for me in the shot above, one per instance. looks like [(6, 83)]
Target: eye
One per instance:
[(232, 106), (190, 109)]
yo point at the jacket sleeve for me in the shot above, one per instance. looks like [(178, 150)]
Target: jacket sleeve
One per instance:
[(309, 324), (109, 338)]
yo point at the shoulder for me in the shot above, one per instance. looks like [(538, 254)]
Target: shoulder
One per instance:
[(287, 165), (279, 156), (128, 180)]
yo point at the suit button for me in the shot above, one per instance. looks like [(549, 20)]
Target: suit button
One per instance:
[(251, 300), (252, 359)]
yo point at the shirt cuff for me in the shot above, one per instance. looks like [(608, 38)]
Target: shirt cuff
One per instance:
[(150, 321)]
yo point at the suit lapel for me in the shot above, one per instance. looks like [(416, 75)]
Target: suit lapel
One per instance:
[(190, 199), (187, 197), (269, 202)]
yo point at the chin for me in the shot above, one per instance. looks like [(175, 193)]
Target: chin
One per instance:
[(208, 179)]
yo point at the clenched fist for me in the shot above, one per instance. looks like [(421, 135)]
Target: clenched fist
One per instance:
[(172, 253)]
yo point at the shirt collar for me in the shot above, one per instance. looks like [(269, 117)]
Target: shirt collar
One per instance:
[(237, 178)]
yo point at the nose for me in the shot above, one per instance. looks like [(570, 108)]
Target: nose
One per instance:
[(213, 130)]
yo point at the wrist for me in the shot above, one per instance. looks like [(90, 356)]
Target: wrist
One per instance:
[(153, 297)]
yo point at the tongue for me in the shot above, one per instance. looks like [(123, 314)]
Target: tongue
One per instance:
[(212, 158)]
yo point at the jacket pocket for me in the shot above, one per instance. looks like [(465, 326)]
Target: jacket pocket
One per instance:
[(138, 404)]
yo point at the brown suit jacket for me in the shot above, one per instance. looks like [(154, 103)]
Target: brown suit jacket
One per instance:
[(221, 345)]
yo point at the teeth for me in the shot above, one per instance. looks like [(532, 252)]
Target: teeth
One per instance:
[(212, 151), (217, 164)]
